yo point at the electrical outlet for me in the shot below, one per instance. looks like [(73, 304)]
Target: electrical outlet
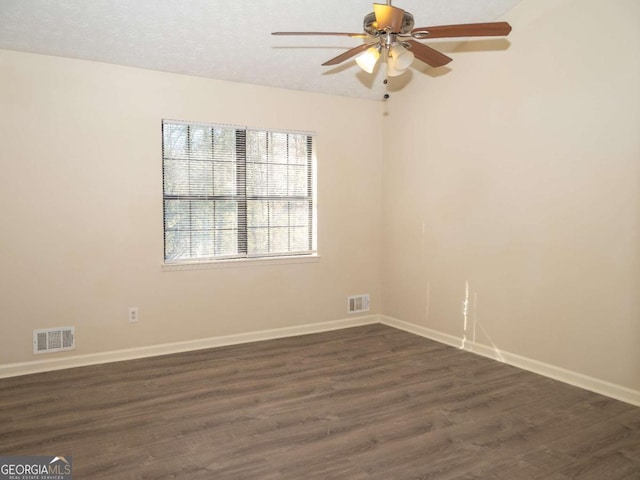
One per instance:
[(133, 314)]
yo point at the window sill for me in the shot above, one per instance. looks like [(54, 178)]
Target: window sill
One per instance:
[(239, 262)]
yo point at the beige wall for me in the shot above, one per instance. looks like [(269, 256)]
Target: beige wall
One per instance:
[(81, 197), (519, 173)]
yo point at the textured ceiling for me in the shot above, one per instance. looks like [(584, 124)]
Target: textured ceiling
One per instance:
[(225, 39)]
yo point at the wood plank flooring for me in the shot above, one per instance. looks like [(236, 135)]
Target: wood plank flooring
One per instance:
[(364, 403)]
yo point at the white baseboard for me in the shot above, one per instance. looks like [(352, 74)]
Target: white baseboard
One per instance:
[(38, 366), (557, 373), (573, 378), (422, 331)]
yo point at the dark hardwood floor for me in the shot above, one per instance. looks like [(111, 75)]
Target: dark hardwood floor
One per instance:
[(368, 403)]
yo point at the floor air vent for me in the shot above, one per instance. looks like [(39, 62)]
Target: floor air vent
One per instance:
[(358, 303), (52, 340)]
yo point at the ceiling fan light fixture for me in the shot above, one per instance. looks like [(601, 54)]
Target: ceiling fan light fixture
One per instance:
[(367, 60), (392, 71), (400, 57)]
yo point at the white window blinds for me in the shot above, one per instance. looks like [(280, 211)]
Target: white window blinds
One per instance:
[(232, 192)]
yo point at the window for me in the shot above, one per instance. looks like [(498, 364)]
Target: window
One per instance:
[(232, 192)]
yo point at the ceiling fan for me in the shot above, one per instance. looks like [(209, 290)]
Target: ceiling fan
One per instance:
[(389, 33)]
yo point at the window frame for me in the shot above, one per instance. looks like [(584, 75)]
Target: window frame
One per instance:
[(242, 198)]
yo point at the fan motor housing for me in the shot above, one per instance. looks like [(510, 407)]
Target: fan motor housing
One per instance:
[(370, 20)]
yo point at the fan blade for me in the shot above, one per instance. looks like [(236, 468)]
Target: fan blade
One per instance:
[(339, 34), (428, 55), (388, 16), (493, 29), (347, 55)]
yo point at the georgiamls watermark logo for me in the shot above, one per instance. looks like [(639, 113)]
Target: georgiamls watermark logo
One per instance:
[(35, 468)]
